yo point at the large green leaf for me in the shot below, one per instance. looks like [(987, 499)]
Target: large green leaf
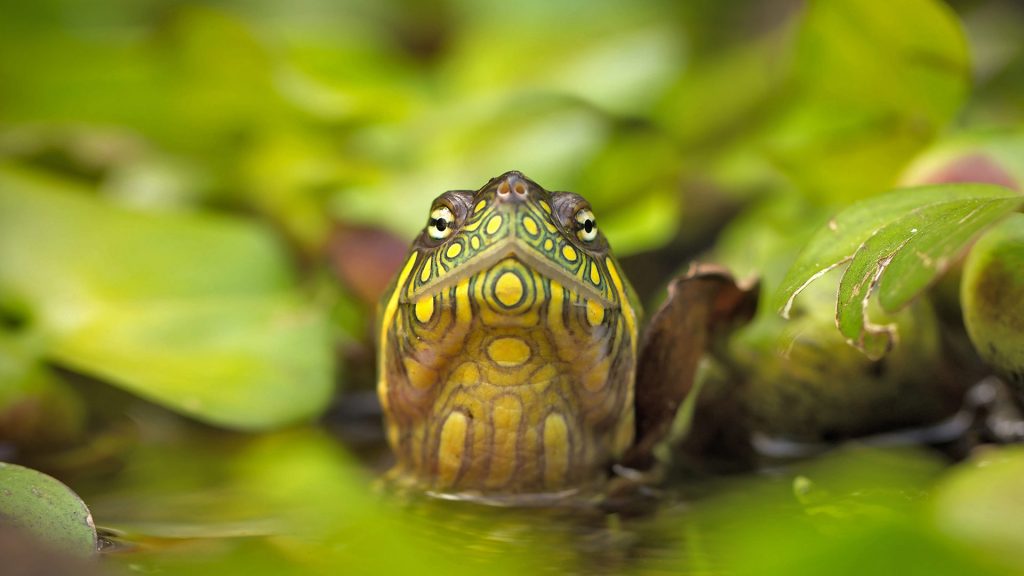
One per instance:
[(248, 363), (195, 312), (875, 82), (899, 242)]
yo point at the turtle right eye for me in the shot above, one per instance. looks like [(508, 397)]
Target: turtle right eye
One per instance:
[(586, 225), (440, 224)]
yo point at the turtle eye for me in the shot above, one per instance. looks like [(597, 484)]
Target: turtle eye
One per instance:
[(440, 224), (586, 225)]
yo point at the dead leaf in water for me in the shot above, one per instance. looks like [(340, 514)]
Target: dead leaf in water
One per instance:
[(701, 305)]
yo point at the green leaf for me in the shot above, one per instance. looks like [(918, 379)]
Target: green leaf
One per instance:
[(47, 509), (195, 312), (899, 242), (58, 244), (732, 89), (242, 363), (875, 82), (616, 58), (935, 248)]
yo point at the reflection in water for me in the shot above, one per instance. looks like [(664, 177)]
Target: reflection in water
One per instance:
[(571, 538), (296, 502)]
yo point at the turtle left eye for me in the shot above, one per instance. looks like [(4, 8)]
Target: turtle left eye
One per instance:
[(440, 225), (586, 225)]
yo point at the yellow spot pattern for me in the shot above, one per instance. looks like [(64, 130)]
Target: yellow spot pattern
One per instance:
[(569, 253), (595, 313), (419, 375), (493, 224), (467, 373), (508, 289), (630, 313), (556, 450), (388, 318), (503, 379), (463, 314), (453, 448), (507, 415), (453, 251), (555, 305), (509, 351), (424, 309), (530, 225)]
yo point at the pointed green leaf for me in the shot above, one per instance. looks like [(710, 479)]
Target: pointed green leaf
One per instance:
[(921, 244), (931, 252), (911, 235)]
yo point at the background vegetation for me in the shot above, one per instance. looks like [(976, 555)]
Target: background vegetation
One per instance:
[(201, 203)]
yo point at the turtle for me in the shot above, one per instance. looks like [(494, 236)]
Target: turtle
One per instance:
[(508, 345)]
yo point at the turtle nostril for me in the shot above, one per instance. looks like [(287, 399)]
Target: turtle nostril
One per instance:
[(512, 188)]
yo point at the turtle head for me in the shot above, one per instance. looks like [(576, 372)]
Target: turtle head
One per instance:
[(554, 233)]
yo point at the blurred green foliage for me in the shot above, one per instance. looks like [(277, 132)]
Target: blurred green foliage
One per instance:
[(193, 311), (171, 173), (980, 504)]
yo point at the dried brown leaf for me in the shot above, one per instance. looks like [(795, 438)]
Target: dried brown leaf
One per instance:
[(701, 305)]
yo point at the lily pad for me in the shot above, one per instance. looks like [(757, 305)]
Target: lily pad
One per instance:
[(46, 508), (900, 243)]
